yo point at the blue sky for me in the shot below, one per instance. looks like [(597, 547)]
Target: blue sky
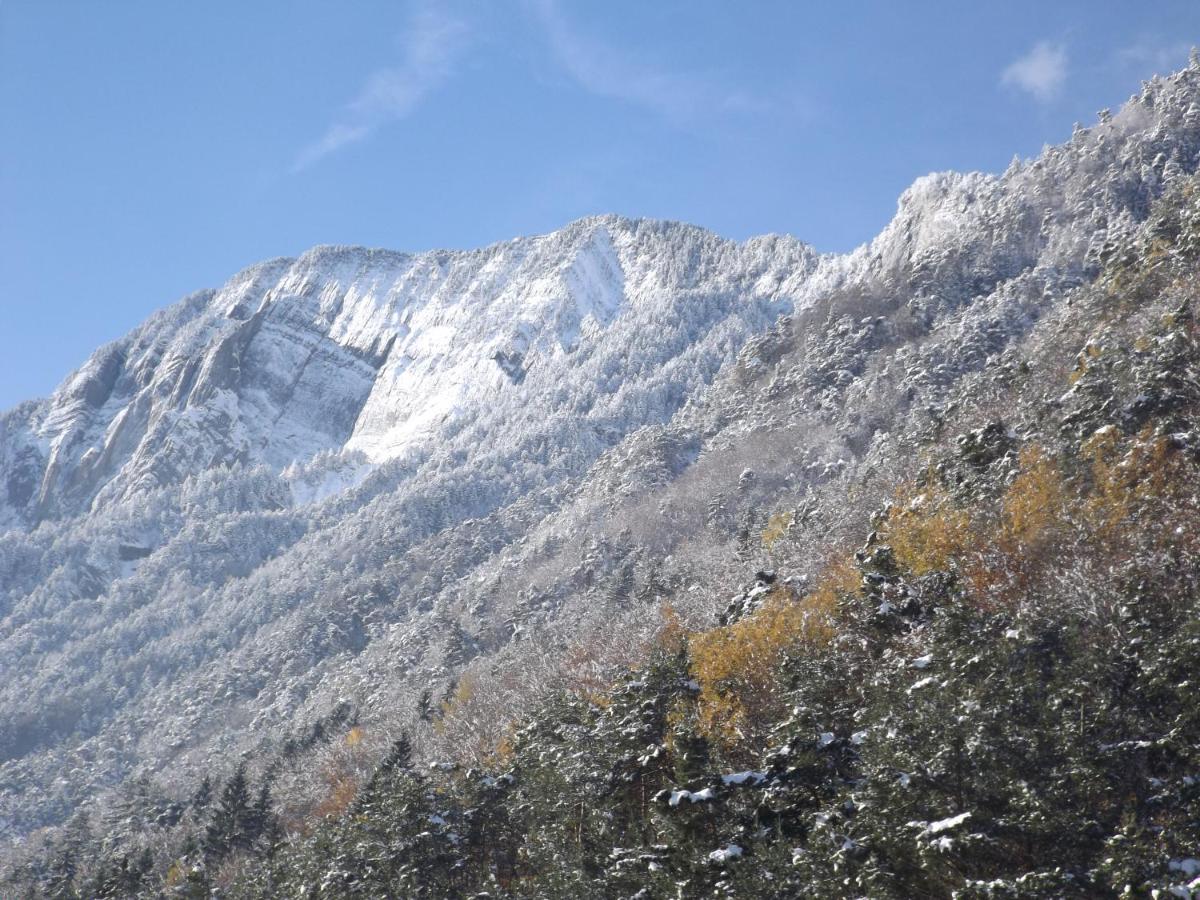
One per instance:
[(150, 149)]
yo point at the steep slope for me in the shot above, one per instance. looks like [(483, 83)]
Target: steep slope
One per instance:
[(339, 479), (895, 341), (991, 697), (201, 446)]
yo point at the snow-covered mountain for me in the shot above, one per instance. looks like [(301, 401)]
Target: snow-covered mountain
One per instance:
[(340, 478), (451, 383), (391, 355)]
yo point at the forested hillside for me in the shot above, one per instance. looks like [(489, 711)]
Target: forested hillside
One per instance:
[(896, 597)]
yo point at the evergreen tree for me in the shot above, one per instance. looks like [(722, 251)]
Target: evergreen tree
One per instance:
[(621, 588), (72, 858), (202, 795), (60, 881), (118, 879), (232, 822), (261, 824), (425, 706)]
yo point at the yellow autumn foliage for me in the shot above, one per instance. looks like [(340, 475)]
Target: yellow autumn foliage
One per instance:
[(1035, 504), (501, 754), (927, 531), (777, 528), (175, 874), (341, 787), (1129, 479), (736, 665), (672, 636), (464, 692), (1090, 352)]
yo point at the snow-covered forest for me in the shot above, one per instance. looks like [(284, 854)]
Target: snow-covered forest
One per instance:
[(632, 559)]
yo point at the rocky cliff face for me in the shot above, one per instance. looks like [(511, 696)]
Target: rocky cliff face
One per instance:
[(340, 478), (383, 353)]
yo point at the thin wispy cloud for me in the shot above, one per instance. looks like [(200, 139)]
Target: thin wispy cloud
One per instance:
[(1040, 72), (1154, 55), (431, 45), (607, 72)]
